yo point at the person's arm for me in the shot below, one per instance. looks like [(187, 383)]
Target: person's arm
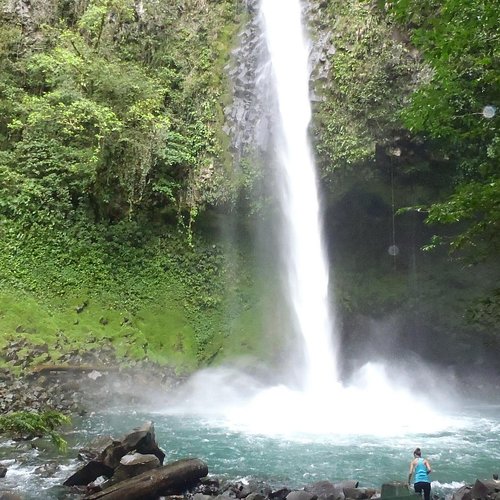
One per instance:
[(410, 473), (428, 465)]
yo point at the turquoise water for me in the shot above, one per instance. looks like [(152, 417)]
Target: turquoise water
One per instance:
[(457, 456)]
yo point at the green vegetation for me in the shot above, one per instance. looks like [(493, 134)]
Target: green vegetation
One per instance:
[(456, 110), (25, 424), (372, 74), (109, 146), (115, 181)]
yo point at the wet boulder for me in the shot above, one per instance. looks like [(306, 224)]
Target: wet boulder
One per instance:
[(88, 473), (301, 495), (396, 489), (7, 495), (280, 494), (485, 489), (358, 493), (143, 440), (462, 493), (105, 455), (326, 490), (134, 464)]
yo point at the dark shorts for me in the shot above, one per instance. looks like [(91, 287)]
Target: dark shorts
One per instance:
[(425, 487)]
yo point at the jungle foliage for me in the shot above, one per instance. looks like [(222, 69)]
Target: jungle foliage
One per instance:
[(109, 110), (110, 144), (27, 425), (111, 147), (457, 110)]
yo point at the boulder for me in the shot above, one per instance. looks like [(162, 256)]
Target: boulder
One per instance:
[(483, 489), (358, 493), (255, 496), (112, 454), (280, 494), (105, 455), (395, 489), (301, 495), (326, 490), (208, 486), (143, 440), (95, 448), (3, 471), (134, 464), (88, 473), (462, 493), (347, 483), (201, 496)]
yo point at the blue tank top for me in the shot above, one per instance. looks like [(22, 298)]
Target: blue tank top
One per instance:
[(421, 472)]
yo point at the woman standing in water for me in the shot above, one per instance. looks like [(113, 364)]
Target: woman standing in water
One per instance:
[(422, 468)]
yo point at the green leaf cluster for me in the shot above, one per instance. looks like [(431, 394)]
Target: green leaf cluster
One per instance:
[(33, 424), (455, 111)]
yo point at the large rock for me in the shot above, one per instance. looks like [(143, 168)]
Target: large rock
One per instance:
[(301, 495), (326, 490), (347, 483), (143, 440), (134, 464), (106, 453), (280, 494), (484, 489), (88, 473), (396, 489), (462, 493), (358, 493), (7, 495)]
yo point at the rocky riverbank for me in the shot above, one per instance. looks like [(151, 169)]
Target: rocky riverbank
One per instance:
[(80, 382)]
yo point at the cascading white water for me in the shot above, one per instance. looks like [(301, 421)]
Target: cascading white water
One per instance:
[(323, 406), (306, 262)]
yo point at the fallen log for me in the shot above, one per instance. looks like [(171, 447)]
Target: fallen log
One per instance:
[(171, 479)]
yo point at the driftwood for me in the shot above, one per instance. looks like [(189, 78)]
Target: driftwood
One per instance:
[(41, 369), (171, 479)]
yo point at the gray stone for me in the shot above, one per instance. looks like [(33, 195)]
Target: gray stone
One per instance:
[(482, 489), (255, 496), (347, 483), (7, 495), (88, 473), (134, 464), (462, 493), (358, 493), (301, 495), (325, 490), (395, 489)]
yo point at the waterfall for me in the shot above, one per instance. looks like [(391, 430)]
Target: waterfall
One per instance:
[(306, 264), (373, 401)]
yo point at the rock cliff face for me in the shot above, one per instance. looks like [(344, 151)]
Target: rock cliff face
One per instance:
[(248, 114), (31, 15)]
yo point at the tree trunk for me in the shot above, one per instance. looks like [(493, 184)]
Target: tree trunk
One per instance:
[(170, 479)]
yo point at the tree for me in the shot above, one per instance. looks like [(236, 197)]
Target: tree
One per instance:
[(456, 111)]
